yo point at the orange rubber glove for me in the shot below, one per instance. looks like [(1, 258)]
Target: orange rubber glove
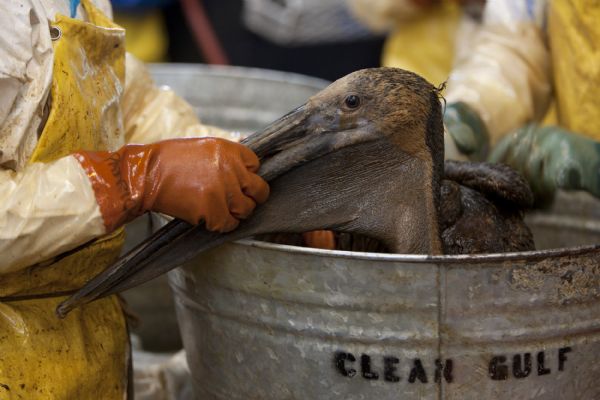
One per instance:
[(319, 239), (200, 179)]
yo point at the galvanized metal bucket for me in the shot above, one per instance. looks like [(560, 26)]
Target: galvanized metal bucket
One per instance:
[(265, 321)]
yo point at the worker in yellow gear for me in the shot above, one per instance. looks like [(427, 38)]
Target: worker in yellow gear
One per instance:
[(70, 99), (531, 56)]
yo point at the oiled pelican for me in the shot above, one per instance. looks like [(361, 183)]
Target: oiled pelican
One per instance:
[(363, 156)]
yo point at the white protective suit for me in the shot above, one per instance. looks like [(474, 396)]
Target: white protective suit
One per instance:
[(46, 209), (505, 76)]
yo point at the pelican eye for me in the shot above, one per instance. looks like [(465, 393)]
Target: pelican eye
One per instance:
[(352, 101)]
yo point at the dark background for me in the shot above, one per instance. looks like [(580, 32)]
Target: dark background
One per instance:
[(244, 48)]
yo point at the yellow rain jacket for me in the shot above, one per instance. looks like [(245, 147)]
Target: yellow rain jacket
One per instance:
[(63, 87), (574, 35), (42, 356)]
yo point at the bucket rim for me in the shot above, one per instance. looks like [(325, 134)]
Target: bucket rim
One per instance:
[(532, 255), (264, 74)]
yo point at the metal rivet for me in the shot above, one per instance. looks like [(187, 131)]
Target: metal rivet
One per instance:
[(55, 33)]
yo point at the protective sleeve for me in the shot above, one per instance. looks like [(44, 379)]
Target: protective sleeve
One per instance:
[(45, 210), (506, 76), (152, 113)]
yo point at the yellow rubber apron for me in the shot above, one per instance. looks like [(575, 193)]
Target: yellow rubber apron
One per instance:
[(85, 355), (574, 32)]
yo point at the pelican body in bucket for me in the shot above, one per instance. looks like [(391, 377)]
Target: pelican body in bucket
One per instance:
[(274, 322)]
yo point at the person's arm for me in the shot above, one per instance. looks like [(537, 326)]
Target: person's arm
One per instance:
[(151, 113), (502, 88), (505, 78), (45, 209)]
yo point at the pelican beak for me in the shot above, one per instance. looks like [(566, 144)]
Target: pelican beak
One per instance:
[(299, 137), (279, 134), (286, 143)]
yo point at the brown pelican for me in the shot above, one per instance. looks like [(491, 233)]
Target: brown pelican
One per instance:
[(364, 156)]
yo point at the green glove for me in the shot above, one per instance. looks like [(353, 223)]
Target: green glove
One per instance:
[(550, 158), (467, 130)]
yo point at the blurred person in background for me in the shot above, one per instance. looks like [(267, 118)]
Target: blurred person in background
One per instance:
[(527, 90), (71, 98), (146, 35)]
